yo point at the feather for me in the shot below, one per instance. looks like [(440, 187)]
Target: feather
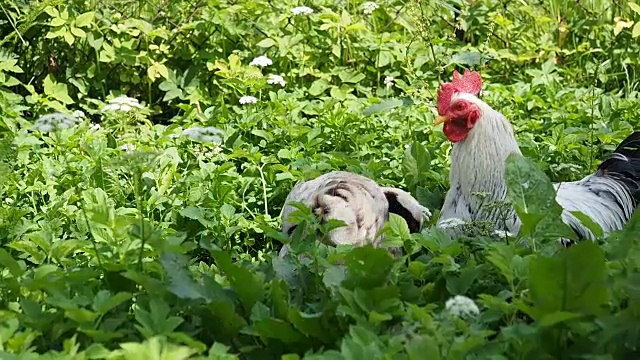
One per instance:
[(360, 202)]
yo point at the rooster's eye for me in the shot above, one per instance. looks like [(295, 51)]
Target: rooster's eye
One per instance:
[(458, 106)]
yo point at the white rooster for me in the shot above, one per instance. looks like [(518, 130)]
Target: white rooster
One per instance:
[(483, 138), (360, 202)]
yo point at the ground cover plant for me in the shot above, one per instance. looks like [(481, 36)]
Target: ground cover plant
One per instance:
[(147, 147)]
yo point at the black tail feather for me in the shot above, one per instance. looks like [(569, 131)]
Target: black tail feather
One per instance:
[(623, 165)]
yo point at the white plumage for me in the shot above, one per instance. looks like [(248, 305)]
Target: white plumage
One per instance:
[(360, 202), (609, 196)]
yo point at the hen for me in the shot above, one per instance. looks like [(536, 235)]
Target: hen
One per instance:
[(360, 202), (483, 138)]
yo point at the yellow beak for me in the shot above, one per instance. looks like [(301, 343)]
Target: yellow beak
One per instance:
[(439, 120)]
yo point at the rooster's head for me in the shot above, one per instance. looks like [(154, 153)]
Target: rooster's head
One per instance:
[(458, 113)]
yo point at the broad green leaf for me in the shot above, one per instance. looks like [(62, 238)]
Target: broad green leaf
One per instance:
[(367, 267), (635, 7), (266, 43), (534, 199), (571, 281), (423, 347), (7, 261), (248, 287), (180, 281), (383, 106), (636, 30), (56, 90), (85, 19), (589, 224), (557, 317)]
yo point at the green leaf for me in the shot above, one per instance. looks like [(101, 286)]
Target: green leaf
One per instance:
[(423, 347), (266, 43), (557, 317), (246, 285), (180, 281), (367, 267), (383, 106), (571, 281), (635, 7), (56, 90), (534, 199), (104, 301), (7, 261), (589, 223), (636, 30), (348, 76), (85, 19)]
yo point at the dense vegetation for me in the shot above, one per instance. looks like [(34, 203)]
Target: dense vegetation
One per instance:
[(125, 238)]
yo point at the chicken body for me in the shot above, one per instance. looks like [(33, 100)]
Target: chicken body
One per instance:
[(609, 196), (358, 201)]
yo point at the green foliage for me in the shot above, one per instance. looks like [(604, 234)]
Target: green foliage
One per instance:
[(134, 240)]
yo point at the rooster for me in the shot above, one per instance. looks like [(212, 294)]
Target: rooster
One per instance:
[(483, 138), (359, 202)]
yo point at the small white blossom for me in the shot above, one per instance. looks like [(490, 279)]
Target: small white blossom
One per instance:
[(205, 134), (128, 147), (388, 81), (95, 127), (261, 61), (276, 79), (502, 234), (369, 7), (248, 100), (122, 103), (461, 306), (302, 10), (54, 121), (451, 223), (78, 114)]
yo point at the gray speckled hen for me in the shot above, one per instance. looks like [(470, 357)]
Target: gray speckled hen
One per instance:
[(483, 138), (360, 202)]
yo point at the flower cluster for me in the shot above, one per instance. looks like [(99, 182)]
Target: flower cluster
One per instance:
[(208, 134), (302, 10), (276, 79), (502, 234), (122, 103), (461, 306), (451, 223), (388, 81), (248, 100), (54, 122), (369, 7), (261, 61)]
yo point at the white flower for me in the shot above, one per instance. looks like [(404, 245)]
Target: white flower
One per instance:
[(302, 10), (78, 114), (55, 121), (461, 306), (128, 147), (369, 7), (122, 103), (502, 234), (8, 200), (248, 100), (276, 79), (388, 81), (95, 127), (261, 61), (451, 223), (205, 134)]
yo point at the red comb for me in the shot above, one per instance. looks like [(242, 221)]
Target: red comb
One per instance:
[(470, 82)]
